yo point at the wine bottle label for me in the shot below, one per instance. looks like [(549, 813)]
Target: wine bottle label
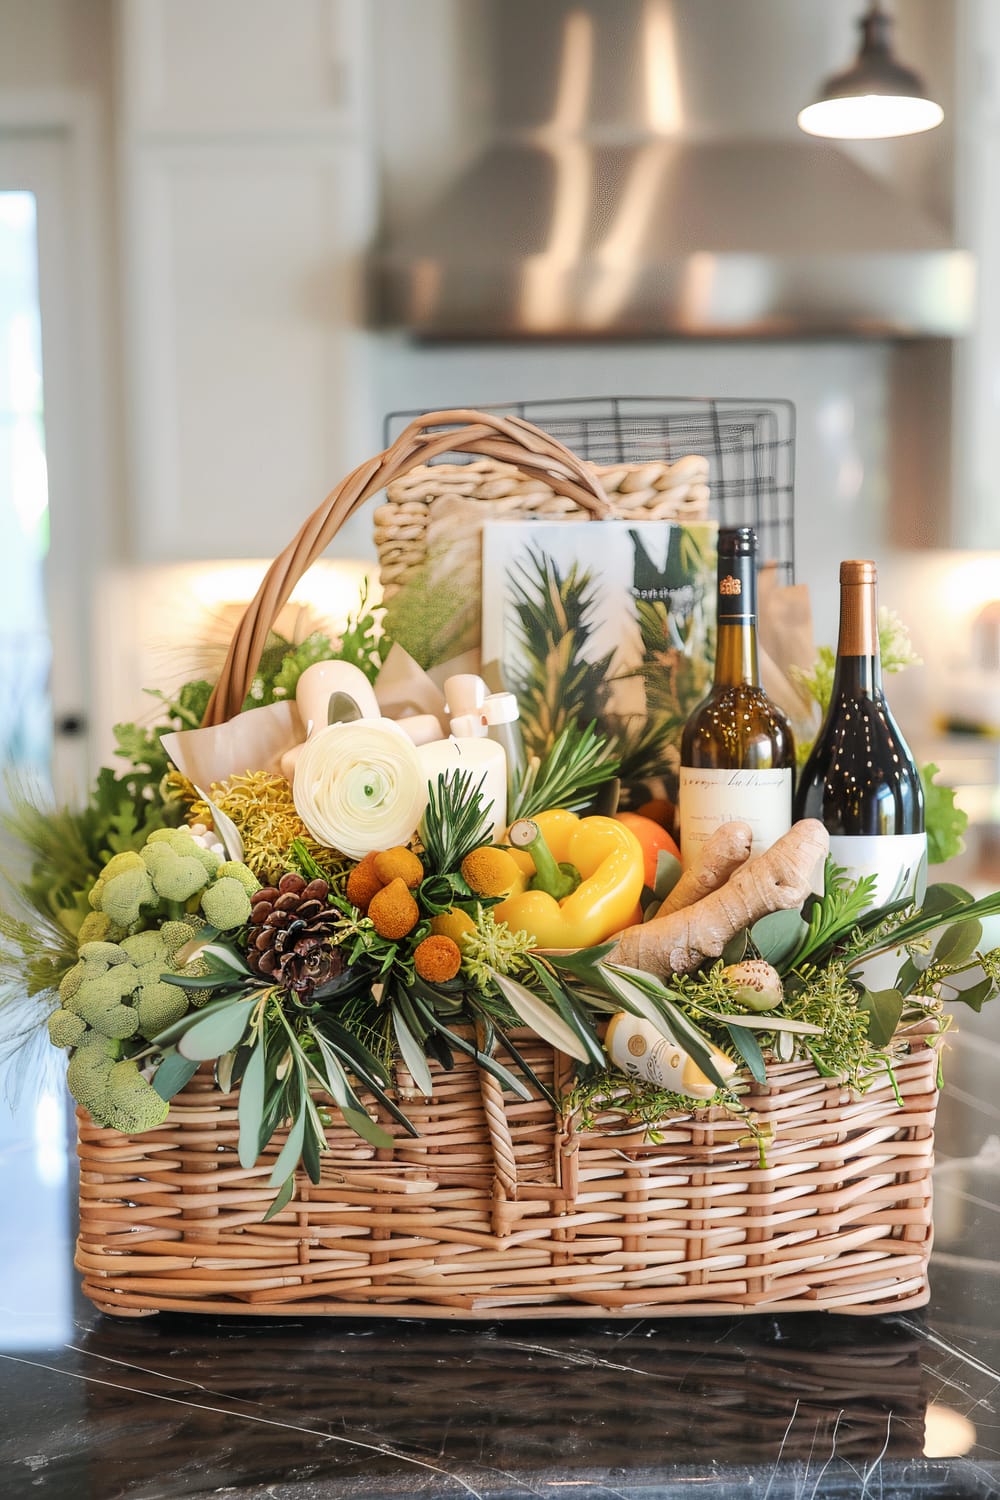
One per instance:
[(763, 799), (897, 861)]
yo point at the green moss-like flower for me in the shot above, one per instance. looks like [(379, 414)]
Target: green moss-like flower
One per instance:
[(122, 889), (66, 1029), (226, 903)]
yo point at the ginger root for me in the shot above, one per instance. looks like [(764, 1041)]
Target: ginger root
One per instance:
[(718, 858), (778, 880)]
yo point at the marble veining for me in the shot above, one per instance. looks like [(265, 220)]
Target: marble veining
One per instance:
[(772, 1407)]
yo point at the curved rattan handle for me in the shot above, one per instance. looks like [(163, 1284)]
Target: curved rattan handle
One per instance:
[(508, 438)]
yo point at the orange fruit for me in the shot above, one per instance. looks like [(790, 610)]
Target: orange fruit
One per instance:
[(661, 810), (653, 839)]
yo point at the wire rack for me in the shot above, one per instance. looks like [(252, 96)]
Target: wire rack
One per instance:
[(750, 446)]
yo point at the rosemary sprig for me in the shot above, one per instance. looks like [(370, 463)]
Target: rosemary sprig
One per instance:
[(455, 822), (578, 762)]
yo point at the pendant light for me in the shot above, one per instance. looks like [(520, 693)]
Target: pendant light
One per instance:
[(876, 96)]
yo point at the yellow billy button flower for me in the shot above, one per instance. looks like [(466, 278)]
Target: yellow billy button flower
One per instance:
[(492, 872)]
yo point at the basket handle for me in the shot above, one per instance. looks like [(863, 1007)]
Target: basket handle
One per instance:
[(510, 439)]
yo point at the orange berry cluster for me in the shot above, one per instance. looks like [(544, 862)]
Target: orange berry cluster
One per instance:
[(382, 885)]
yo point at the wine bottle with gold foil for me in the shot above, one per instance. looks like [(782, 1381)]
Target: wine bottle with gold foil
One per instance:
[(860, 779), (737, 750)]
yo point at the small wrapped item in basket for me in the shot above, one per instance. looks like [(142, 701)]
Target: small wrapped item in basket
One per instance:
[(361, 1019)]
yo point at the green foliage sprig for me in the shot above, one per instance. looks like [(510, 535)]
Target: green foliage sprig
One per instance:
[(455, 822), (578, 763)]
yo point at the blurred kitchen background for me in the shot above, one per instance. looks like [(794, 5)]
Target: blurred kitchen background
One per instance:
[(234, 234)]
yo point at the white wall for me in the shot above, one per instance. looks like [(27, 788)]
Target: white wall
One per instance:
[(237, 174)]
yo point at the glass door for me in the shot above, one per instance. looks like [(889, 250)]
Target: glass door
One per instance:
[(25, 646), (44, 631)]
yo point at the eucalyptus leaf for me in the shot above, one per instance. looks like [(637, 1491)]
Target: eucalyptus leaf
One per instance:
[(250, 1111), (772, 1020), (784, 1046), (777, 936), (335, 1079), (311, 1153), (884, 1009), (282, 1198), (211, 1035), (360, 1057), (735, 950), (909, 975), (291, 1151), (566, 1008), (225, 960), (362, 1124), (339, 1083), (582, 962), (503, 1075), (957, 944), (216, 980), (942, 896), (542, 1019), (528, 1071), (173, 1073), (227, 830), (668, 872), (748, 1047), (975, 995), (923, 922), (224, 1071), (413, 1054), (439, 1050)]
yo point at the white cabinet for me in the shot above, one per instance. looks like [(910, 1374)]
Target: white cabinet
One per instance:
[(255, 66), (247, 202)]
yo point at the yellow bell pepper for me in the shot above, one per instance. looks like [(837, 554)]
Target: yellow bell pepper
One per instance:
[(609, 858)]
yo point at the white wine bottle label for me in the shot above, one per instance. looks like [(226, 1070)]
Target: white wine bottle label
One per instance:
[(639, 1049), (708, 798), (898, 862)]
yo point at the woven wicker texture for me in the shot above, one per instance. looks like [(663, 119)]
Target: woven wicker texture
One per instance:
[(505, 1213), (441, 505)]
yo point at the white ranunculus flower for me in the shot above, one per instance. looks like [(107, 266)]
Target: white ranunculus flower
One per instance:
[(360, 786)]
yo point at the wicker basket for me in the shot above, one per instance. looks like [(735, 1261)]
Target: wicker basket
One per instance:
[(441, 506), (499, 1208)]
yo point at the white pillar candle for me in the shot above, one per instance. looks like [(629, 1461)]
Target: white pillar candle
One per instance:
[(420, 728), (484, 759)]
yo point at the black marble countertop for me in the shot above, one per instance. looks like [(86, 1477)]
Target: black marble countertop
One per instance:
[(95, 1408)]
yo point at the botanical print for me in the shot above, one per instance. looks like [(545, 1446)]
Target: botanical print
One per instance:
[(612, 623)]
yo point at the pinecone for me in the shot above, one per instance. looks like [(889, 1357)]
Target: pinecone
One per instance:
[(293, 944)]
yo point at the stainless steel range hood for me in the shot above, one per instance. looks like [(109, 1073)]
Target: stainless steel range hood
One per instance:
[(582, 221)]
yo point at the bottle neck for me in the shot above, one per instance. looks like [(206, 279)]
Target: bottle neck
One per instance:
[(736, 640), (859, 661)]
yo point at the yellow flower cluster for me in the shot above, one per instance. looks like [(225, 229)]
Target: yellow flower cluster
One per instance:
[(260, 804)]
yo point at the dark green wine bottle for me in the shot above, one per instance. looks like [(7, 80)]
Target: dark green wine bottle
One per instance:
[(860, 779)]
